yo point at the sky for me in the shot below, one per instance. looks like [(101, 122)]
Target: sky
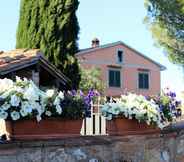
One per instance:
[(110, 21)]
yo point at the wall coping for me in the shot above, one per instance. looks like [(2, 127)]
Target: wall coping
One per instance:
[(172, 131), (82, 141)]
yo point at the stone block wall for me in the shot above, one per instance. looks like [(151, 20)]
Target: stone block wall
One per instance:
[(155, 148)]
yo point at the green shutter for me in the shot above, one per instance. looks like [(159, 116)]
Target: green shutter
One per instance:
[(114, 78), (117, 79), (143, 81), (111, 78), (146, 81)]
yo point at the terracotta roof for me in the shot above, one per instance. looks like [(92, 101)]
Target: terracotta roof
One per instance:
[(17, 58), (88, 50), (20, 58)]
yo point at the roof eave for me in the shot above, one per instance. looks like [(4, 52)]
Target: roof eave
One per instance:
[(162, 68)]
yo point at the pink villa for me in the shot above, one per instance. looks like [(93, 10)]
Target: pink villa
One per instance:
[(123, 68)]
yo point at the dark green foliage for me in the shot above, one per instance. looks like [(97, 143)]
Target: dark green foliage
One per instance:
[(52, 26), (166, 21), (73, 107)]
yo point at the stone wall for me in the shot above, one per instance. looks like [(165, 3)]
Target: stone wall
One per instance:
[(156, 148)]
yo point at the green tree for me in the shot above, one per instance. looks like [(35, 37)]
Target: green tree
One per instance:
[(165, 19), (52, 26), (90, 79)]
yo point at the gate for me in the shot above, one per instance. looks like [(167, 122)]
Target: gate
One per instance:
[(96, 124)]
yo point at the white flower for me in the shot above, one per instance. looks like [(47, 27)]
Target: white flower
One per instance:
[(31, 94), (23, 112), (109, 117), (6, 106), (15, 100), (19, 89), (50, 93), (3, 114), (61, 95), (58, 109), (26, 106), (40, 109), (15, 115), (134, 105), (18, 79), (38, 118), (5, 84), (48, 113), (57, 101), (6, 94)]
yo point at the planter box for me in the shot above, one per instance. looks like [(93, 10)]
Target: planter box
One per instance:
[(53, 128), (123, 126)]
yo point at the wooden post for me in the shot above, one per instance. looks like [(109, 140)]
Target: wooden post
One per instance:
[(36, 77)]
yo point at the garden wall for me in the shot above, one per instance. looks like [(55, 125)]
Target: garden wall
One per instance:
[(168, 147)]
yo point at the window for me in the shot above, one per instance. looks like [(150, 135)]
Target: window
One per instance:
[(119, 56), (143, 80), (114, 78)]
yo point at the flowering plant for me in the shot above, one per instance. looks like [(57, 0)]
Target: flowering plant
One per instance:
[(169, 106), (22, 99), (88, 98), (137, 107)]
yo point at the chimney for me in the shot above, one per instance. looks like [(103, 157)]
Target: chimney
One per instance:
[(95, 43)]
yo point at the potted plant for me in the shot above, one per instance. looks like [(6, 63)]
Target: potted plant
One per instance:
[(133, 114), (33, 114)]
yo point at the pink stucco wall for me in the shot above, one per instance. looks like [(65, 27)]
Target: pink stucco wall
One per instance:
[(132, 62)]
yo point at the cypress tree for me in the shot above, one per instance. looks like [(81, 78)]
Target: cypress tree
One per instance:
[(52, 26)]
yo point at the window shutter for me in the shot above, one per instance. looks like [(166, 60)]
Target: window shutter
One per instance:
[(143, 81), (146, 81), (114, 78), (117, 79), (111, 78)]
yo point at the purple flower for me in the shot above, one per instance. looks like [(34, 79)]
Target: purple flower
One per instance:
[(177, 103), (91, 93), (81, 93), (74, 92), (161, 107), (171, 94), (97, 93), (173, 107), (147, 98)]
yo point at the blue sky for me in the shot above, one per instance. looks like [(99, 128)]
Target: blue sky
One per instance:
[(110, 21)]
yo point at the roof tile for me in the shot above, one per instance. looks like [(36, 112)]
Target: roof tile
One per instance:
[(17, 56)]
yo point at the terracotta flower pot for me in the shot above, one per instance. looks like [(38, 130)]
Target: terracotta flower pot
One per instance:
[(123, 126), (53, 128)]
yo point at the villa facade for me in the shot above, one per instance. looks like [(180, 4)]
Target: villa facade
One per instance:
[(123, 68)]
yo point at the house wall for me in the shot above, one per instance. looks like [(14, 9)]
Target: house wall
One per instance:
[(107, 58)]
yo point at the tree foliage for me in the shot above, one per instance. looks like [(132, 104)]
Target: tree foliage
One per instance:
[(52, 26), (90, 79), (165, 19)]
